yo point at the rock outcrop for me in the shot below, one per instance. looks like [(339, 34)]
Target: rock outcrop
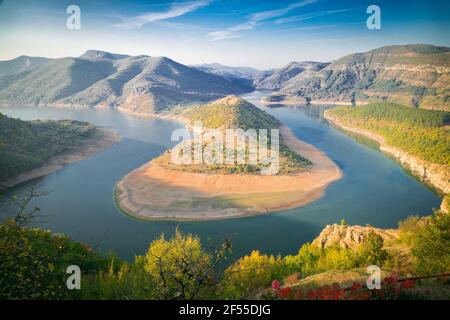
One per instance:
[(349, 236)]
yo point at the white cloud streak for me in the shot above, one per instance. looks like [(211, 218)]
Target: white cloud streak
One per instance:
[(309, 16), (176, 9), (254, 20)]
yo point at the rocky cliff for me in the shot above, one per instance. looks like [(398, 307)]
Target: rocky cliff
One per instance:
[(349, 236)]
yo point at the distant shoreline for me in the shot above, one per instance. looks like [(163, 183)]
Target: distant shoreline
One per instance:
[(296, 101), (436, 175), (154, 193), (102, 139)]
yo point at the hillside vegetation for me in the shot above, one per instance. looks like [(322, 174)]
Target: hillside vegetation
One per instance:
[(25, 145), (422, 133), (33, 264), (235, 113)]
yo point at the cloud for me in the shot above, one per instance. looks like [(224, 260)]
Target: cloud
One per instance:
[(176, 9), (309, 16), (255, 19)]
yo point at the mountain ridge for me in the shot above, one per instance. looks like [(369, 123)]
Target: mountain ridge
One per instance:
[(137, 84), (415, 75)]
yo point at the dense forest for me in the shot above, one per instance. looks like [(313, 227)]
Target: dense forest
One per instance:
[(419, 132), (25, 145), (33, 265)]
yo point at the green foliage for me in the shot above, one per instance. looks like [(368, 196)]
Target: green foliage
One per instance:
[(179, 267), (431, 245), (127, 281), (408, 229), (236, 113), (371, 251), (26, 145), (419, 132), (33, 263), (249, 274)]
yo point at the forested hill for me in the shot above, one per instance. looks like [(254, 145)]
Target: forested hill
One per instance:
[(25, 145), (422, 133)]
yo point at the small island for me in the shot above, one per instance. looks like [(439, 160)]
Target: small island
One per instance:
[(162, 190), (32, 149)]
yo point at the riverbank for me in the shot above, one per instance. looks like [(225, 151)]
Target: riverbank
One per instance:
[(101, 140), (435, 174), (152, 192), (297, 101)]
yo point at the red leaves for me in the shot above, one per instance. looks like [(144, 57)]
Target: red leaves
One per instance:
[(275, 284), (283, 293), (391, 288)]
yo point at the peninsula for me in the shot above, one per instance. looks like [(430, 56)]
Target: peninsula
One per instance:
[(161, 190)]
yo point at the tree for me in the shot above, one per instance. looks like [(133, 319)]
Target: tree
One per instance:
[(431, 246), (249, 274), (371, 250), (33, 261), (181, 269)]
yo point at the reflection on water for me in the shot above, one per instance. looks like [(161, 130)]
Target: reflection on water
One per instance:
[(374, 189), (315, 112)]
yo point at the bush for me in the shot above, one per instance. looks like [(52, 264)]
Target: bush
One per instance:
[(431, 246)]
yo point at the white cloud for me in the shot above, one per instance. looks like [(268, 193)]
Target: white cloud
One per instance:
[(176, 9), (309, 16), (255, 19)]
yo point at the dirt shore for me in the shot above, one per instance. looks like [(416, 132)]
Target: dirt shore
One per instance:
[(155, 193), (101, 140)]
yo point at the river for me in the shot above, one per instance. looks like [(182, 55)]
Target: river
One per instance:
[(374, 190)]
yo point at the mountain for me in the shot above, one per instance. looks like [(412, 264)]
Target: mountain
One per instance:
[(20, 64), (241, 75), (229, 72), (100, 55), (408, 74), (139, 84), (277, 78)]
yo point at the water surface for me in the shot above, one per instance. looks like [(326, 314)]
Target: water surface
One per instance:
[(374, 190)]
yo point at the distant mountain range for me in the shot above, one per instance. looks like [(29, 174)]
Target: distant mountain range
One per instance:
[(139, 84), (416, 75), (276, 79), (19, 64)]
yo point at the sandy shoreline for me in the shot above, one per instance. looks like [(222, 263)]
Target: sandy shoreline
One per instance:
[(102, 139), (155, 193)]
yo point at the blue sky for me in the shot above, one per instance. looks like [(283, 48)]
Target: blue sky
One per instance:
[(261, 34)]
